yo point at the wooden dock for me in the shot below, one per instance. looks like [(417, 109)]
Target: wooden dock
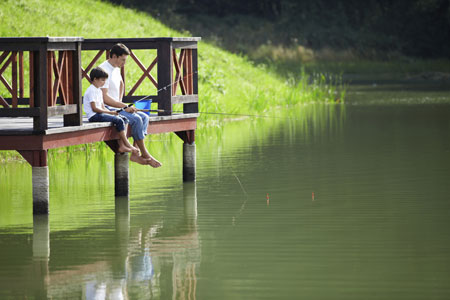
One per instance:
[(43, 110)]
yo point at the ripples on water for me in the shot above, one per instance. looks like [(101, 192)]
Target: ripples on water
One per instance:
[(334, 203)]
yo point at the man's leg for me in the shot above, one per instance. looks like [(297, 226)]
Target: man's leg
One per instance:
[(139, 124), (146, 155)]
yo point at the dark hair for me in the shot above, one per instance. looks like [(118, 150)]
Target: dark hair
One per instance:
[(119, 50), (98, 73)]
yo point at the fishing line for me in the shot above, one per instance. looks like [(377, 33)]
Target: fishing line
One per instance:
[(201, 112), (240, 183), (165, 87), (241, 209)]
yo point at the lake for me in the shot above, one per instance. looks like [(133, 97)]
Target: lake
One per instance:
[(318, 202)]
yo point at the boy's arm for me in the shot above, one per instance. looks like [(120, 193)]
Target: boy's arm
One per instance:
[(102, 109)]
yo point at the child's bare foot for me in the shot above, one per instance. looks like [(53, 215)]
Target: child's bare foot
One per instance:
[(138, 159), (123, 149), (134, 150)]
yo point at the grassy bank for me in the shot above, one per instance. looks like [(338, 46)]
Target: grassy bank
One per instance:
[(228, 82)]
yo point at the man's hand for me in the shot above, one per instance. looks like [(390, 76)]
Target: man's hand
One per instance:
[(131, 109)]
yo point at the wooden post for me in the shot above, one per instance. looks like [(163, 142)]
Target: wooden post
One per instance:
[(189, 155), (75, 82), (40, 123), (121, 181), (189, 161), (165, 75), (40, 179)]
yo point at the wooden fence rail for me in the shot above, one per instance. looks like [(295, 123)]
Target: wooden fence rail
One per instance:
[(56, 73)]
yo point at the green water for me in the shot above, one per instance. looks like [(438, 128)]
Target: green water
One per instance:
[(325, 202)]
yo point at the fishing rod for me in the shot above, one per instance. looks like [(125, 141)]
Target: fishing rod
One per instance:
[(209, 113), (161, 89), (201, 112)]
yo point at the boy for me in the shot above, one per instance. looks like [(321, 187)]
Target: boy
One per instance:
[(96, 111)]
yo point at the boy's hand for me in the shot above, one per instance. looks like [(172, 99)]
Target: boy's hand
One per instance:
[(114, 113)]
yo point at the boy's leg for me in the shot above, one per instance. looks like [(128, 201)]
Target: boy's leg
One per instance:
[(120, 125), (99, 117)]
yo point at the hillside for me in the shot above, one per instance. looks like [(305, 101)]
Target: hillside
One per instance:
[(227, 82)]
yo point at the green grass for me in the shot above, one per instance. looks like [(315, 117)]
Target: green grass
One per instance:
[(228, 83)]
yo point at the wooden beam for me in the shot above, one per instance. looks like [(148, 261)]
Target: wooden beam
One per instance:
[(20, 112), (61, 110), (80, 137), (36, 158), (146, 73), (179, 99), (3, 102), (172, 126), (91, 64), (21, 142)]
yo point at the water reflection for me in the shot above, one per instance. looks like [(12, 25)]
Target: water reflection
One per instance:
[(149, 258), (139, 261)]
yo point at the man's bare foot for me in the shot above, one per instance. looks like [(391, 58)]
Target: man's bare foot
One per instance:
[(123, 149), (138, 159), (152, 162)]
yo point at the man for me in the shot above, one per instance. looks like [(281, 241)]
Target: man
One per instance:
[(113, 91)]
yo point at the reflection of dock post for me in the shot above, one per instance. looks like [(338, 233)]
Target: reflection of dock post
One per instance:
[(122, 210), (121, 182), (41, 255), (122, 222), (41, 237), (190, 203)]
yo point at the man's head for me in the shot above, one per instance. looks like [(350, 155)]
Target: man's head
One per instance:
[(98, 77), (118, 55)]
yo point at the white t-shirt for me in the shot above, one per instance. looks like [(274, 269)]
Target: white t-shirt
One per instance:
[(92, 94), (113, 81)]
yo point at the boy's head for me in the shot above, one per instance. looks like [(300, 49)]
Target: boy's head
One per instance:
[(118, 55), (98, 76), (98, 73)]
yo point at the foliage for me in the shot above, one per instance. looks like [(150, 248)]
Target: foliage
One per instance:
[(371, 28)]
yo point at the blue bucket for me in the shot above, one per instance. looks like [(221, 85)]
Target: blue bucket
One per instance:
[(143, 104)]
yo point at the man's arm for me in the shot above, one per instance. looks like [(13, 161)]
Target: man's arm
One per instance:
[(110, 101), (118, 104)]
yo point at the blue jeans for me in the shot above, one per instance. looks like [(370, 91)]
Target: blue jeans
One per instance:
[(138, 122), (118, 121)]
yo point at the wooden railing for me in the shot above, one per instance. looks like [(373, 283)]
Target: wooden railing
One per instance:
[(56, 72), (53, 66)]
